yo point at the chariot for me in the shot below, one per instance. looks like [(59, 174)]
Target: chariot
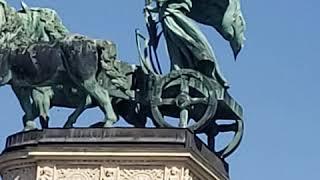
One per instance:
[(182, 98)]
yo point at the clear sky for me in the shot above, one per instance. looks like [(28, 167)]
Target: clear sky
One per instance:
[(275, 78)]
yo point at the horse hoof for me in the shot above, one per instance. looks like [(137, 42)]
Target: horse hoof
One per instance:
[(108, 124), (30, 125), (26, 129), (183, 125), (97, 125), (68, 126), (44, 122)]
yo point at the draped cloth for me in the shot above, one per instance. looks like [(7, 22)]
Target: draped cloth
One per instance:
[(187, 45)]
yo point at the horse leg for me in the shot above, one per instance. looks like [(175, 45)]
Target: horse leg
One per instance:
[(103, 99), (41, 100), (23, 94), (140, 118), (76, 113), (131, 112)]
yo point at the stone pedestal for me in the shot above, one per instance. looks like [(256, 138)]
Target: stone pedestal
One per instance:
[(109, 154)]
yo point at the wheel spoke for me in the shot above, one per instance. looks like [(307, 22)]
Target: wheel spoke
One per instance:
[(184, 87), (211, 142), (228, 127), (184, 118), (167, 101), (199, 100)]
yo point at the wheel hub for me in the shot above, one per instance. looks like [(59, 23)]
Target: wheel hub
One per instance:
[(183, 100)]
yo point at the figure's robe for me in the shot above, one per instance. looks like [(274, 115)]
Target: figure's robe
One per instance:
[(187, 45)]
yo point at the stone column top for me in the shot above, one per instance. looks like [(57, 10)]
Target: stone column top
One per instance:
[(99, 143)]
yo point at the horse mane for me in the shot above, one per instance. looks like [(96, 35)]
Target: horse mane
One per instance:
[(15, 33)]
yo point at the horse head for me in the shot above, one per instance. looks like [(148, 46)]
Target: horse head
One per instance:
[(5, 69)]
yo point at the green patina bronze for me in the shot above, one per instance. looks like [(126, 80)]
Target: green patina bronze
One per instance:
[(29, 25), (48, 66), (187, 45)]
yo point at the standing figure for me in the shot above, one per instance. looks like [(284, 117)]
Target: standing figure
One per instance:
[(187, 45)]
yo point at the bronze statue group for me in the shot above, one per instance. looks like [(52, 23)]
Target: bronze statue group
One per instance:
[(48, 66), (27, 31)]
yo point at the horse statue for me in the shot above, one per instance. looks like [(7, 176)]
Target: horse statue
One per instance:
[(115, 75), (40, 59)]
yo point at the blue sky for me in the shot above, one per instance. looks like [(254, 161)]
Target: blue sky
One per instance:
[(275, 78)]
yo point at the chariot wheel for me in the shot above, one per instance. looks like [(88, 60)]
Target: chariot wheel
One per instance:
[(213, 129), (186, 95)]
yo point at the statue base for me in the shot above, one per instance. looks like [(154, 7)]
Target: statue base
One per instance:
[(109, 154)]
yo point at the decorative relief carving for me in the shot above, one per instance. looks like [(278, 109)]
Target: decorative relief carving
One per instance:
[(109, 173), (187, 175), (45, 173), (25, 173), (77, 173), (101, 170), (173, 173), (142, 173)]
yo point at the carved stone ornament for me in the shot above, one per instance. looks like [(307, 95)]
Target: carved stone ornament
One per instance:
[(78, 173), (45, 173), (142, 173), (101, 172), (109, 173), (189, 176), (26, 173), (174, 173)]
